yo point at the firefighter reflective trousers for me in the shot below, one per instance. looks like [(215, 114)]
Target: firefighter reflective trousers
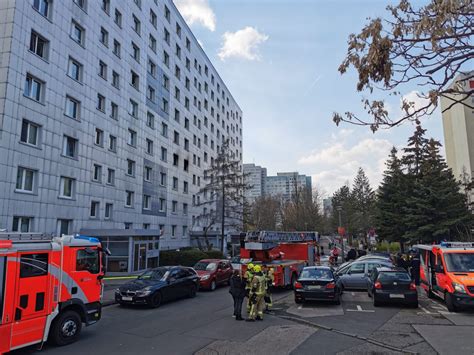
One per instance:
[(256, 309)]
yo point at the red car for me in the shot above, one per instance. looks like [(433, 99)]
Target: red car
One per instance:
[(213, 272)]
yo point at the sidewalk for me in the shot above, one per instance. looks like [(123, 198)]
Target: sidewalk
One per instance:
[(110, 285)]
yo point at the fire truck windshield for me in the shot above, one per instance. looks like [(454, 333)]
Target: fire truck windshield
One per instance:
[(460, 262), (88, 260)]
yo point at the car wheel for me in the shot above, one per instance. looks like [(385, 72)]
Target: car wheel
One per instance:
[(448, 299), (155, 301), (213, 285), (66, 328), (192, 292)]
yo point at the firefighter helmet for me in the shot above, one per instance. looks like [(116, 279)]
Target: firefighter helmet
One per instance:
[(257, 268), (250, 266)]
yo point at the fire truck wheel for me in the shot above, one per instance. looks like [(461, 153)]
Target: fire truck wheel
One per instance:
[(448, 299), (66, 328), (155, 300)]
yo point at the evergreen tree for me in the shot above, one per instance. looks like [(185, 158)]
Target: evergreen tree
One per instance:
[(343, 198), (363, 198)]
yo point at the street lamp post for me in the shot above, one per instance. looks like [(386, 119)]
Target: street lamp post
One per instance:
[(339, 209)]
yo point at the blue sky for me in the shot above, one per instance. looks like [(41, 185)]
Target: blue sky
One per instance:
[(279, 59)]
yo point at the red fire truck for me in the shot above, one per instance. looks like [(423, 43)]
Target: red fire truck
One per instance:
[(286, 252), (49, 287)]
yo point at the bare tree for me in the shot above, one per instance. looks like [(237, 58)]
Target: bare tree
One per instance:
[(264, 214), (223, 191), (427, 47)]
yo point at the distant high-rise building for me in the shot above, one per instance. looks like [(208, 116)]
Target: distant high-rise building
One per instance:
[(286, 184), (327, 206), (458, 125), (255, 177)]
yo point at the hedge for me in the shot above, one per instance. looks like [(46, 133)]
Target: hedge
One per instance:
[(187, 257)]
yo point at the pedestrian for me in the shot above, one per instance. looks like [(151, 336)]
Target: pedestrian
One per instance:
[(248, 279), (237, 290), (335, 254), (351, 254), (257, 293)]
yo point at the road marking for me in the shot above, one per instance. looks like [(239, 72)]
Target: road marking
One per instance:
[(300, 307), (425, 310), (359, 309)]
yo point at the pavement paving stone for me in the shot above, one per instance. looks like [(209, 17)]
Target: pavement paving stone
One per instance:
[(367, 348), (422, 348), (325, 342), (459, 318), (448, 339), (397, 339), (275, 340), (411, 317)]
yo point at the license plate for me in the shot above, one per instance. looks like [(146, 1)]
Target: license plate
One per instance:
[(315, 287), (396, 295), (127, 298)]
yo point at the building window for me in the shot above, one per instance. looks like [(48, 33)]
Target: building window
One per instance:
[(34, 88), (70, 147), (42, 6), (74, 70), (186, 144), (152, 43), (185, 187), (162, 179), (99, 137), (115, 80), (166, 82), (135, 80), (133, 108), (97, 176), (100, 102), (177, 94), (22, 224), (103, 70), (80, 3), (167, 14), (136, 25), (150, 120), (129, 196), (106, 6), (177, 72), (117, 48), (114, 110), (104, 37), (132, 138), (112, 143), (175, 183), (25, 180), (128, 225), (77, 33), (166, 59), (164, 154), (165, 106), (29, 133), (178, 30), (64, 226), (72, 108), (185, 231), (109, 207), (149, 146), (176, 138), (110, 176), (178, 51), (39, 45), (174, 206), (173, 230), (175, 159), (94, 209), (118, 18), (152, 68), (185, 165), (188, 44), (185, 209), (148, 174), (66, 187), (150, 93), (146, 202), (162, 205), (164, 129), (130, 167), (136, 52), (186, 123)]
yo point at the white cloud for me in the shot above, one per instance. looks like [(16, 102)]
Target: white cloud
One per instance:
[(242, 44), (197, 11), (336, 162)]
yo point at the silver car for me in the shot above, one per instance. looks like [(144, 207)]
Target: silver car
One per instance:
[(356, 274)]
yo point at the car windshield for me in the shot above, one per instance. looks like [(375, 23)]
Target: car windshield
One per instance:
[(154, 274), (316, 274), (205, 266), (459, 262), (394, 276)]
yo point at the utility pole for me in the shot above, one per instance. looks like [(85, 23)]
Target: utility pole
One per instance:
[(339, 209)]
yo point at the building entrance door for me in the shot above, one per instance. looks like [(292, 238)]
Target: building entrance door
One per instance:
[(139, 259)]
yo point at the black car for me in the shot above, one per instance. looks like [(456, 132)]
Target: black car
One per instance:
[(392, 285), (157, 285), (317, 283)]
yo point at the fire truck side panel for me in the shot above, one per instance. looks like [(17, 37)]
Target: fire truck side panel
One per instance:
[(6, 301)]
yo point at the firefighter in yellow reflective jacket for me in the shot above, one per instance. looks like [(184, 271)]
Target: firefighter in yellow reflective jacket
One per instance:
[(248, 278), (257, 293), (269, 278)]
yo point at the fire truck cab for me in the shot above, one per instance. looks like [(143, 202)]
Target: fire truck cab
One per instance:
[(447, 270), (285, 252), (49, 288)]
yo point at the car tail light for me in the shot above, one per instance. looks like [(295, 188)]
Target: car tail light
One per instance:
[(413, 286), (298, 285), (378, 285), (331, 285)]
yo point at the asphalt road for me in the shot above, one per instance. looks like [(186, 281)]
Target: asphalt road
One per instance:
[(204, 325)]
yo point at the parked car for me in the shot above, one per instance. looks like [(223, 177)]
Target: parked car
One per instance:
[(355, 275), (368, 257), (392, 285), (213, 272), (317, 283), (158, 285)]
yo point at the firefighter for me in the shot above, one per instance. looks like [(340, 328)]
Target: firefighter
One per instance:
[(269, 278), (257, 293), (248, 278)]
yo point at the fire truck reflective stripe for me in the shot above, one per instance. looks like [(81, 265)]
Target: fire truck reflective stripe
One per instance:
[(67, 280)]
